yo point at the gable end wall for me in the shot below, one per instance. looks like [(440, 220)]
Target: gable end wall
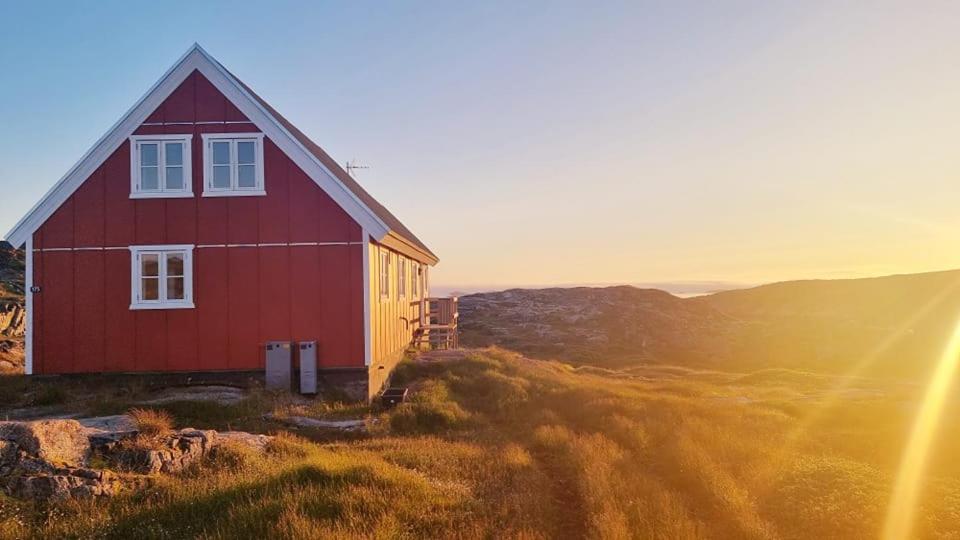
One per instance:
[(293, 269)]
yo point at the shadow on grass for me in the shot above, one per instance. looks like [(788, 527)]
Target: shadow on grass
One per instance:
[(248, 510)]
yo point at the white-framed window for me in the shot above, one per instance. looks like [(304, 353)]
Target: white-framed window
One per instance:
[(384, 274), (160, 166), (233, 164), (161, 277), (425, 282), (401, 277), (414, 280)]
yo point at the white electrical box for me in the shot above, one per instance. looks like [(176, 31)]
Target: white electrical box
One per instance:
[(278, 365), (308, 367)]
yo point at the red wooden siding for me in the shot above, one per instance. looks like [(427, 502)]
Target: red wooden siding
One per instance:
[(244, 296)]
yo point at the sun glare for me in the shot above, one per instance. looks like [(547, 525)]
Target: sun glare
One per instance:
[(906, 493), (835, 396)]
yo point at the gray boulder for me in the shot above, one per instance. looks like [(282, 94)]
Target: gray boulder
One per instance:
[(59, 442), (63, 484), (169, 455)]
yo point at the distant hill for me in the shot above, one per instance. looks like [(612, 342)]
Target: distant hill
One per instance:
[(606, 326), (893, 325)]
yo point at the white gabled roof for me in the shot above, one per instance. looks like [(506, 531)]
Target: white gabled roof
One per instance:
[(250, 105)]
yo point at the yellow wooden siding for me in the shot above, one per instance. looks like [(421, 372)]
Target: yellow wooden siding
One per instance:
[(392, 320)]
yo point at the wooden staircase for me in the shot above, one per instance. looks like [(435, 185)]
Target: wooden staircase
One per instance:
[(438, 324)]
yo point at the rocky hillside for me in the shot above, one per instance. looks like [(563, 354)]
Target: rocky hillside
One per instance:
[(892, 325), (11, 273), (611, 325), (11, 308)]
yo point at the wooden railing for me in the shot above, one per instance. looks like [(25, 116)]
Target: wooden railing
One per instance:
[(439, 318)]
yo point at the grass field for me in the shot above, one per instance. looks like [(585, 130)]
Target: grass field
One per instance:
[(495, 445)]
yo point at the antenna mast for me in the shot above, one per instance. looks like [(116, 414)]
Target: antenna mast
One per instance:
[(352, 165)]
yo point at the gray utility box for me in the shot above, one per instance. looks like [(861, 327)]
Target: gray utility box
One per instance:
[(308, 367), (278, 365)]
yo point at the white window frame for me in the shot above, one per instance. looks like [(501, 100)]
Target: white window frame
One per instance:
[(234, 190), (401, 277), (384, 274), (161, 192), (415, 280), (135, 278)]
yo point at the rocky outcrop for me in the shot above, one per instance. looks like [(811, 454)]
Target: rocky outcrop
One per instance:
[(11, 272), (357, 424), (46, 460), (12, 319), (59, 442), (12, 329), (169, 455), (64, 483), (254, 441)]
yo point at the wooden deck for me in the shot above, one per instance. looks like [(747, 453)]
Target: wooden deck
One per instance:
[(439, 318)]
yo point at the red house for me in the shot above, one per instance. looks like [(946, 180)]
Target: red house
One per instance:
[(201, 226)]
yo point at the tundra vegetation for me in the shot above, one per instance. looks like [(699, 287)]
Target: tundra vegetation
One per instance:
[(494, 443)]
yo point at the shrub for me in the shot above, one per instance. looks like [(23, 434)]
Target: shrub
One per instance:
[(151, 422)]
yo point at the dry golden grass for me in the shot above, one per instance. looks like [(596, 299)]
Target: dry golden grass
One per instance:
[(494, 445), (151, 422)]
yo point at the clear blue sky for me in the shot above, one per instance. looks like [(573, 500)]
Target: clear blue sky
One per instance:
[(557, 142)]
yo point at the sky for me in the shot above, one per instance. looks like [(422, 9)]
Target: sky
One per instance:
[(545, 143)]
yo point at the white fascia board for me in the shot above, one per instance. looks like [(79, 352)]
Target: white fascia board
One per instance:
[(195, 59)]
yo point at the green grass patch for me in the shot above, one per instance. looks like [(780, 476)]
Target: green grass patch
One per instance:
[(494, 445)]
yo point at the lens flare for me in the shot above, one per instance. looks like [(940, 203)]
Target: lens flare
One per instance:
[(903, 503), (834, 397)]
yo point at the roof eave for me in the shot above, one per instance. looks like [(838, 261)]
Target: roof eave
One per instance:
[(401, 244)]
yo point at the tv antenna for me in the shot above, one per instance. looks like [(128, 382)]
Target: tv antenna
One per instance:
[(352, 165)]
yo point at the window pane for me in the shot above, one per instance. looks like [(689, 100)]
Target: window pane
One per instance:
[(174, 153), (246, 176), (149, 265), (148, 178), (245, 152), (174, 178), (174, 264), (221, 152), (175, 288), (148, 154), (151, 288), (221, 176)]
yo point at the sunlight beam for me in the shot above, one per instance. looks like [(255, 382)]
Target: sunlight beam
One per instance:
[(906, 494), (833, 397)]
